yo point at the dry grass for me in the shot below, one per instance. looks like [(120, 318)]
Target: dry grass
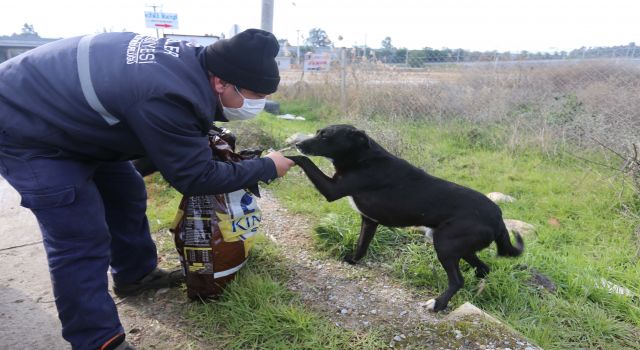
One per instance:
[(587, 102)]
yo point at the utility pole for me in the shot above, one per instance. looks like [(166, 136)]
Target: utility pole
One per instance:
[(267, 15), (298, 46), (154, 6), (364, 54)]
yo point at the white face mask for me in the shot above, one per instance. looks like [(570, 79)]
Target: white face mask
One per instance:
[(250, 108)]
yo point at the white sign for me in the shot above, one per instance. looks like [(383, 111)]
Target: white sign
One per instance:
[(317, 61), (161, 20)]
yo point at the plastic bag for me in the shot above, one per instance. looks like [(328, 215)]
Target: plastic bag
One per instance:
[(214, 233)]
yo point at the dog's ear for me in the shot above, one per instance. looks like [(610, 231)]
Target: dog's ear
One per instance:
[(361, 138)]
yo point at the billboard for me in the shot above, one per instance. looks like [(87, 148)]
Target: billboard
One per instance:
[(162, 20)]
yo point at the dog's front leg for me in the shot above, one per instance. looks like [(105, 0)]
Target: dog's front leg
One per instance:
[(327, 186), (367, 230)]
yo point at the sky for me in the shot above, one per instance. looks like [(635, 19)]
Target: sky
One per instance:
[(503, 25)]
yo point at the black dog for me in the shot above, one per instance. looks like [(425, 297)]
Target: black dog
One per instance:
[(389, 191)]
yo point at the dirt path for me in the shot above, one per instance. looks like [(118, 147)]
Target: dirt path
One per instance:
[(363, 296)]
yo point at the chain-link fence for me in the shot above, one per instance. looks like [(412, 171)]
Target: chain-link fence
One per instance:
[(587, 97)]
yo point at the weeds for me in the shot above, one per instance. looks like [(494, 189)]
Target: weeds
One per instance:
[(574, 101)]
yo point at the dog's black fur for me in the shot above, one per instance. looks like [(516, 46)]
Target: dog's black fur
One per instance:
[(389, 191)]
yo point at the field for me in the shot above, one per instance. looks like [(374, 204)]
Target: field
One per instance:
[(559, 141), (582, 233)]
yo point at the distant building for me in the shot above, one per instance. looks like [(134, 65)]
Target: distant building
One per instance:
[(11, 46), (284, 55)]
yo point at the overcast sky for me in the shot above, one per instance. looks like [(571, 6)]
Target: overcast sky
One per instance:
[(504, 25)]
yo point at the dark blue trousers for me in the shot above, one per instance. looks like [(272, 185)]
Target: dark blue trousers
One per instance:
[(92, 216)]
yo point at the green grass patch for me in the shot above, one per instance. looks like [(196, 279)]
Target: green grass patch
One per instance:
[(256, 311), (163, 202), (338, 235)]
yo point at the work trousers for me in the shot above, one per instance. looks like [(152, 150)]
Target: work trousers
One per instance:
[(92, 217)]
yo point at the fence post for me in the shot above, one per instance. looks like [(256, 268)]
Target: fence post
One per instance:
[(343, 80)]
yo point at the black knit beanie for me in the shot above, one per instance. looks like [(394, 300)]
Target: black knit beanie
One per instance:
[(247, 60)]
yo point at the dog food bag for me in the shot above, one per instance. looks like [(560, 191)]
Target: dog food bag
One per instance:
[(214, 233)]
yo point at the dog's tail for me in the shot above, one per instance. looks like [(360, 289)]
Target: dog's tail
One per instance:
[(505, 248)]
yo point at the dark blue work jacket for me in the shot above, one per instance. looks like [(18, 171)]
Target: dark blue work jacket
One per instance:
[(120, 96)]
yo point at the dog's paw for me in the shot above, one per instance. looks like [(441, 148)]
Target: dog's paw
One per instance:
[(298, 159), (349, 260), (434, 305), (431, 305), (482, 272)]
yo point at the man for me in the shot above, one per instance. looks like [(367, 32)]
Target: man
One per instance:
[(72, 115)]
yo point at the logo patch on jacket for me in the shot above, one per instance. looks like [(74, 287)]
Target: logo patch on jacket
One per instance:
[(144, 49)]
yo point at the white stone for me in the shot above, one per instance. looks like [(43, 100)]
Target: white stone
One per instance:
[(521, 227), (431, 304), (469, 309), (162, 291), (498, 197), (290, 117), (428, 233), (614, 288)]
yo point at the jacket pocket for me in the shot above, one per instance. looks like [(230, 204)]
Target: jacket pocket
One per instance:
[(53, 198)]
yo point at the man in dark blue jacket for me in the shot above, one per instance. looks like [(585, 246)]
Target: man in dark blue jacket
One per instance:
[(72, 115)]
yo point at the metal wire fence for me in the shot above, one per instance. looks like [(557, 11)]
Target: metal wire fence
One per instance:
[(585, 97)]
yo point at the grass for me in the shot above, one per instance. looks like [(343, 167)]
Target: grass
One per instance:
[(334, 234), (163, 202), (593, 241)]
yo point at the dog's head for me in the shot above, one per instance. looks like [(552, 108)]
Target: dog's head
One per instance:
[(335, 142)]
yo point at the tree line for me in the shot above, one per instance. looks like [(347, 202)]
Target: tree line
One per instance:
[(388, 53)]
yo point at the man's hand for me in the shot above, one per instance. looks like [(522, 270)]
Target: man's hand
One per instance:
[(283, 164)]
